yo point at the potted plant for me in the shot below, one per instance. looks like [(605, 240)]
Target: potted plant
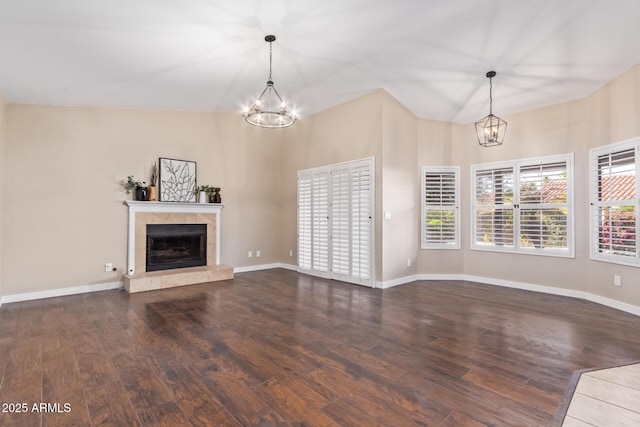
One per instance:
[(139, 188), (204, 193)]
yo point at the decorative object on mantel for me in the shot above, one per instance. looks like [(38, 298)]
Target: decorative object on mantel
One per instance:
[(204, 193), (491, 129), (208, 194), (139, 188), (153, 190), (269, 110), (216, 198), (177, 180)]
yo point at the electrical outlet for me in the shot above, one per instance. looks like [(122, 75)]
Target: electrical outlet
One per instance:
[(258, 254), (108, 267), (617, 280), (408, 262), (290, 252), (250, 254)]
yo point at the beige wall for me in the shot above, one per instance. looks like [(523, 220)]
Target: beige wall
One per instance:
[(609, 115), (3, 140), (62, 168), (434, 149), (400, 191), (375, 125), (63, 206), (347, 132)]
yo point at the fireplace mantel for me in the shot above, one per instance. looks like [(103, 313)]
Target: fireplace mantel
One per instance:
[(136, 207)]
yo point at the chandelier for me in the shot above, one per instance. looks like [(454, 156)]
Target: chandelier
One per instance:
[(269, 110), (491, 129)]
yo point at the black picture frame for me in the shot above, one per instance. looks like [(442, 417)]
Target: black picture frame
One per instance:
[(177, 180)]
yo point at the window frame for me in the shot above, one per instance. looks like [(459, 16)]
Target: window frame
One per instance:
[(424, 208), (515, 207), (594, 203)]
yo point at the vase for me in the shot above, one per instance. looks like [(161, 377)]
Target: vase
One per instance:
[(142, 193), (153, 193), (202, 197)]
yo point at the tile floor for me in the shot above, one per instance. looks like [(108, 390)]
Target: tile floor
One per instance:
[(606, 397)]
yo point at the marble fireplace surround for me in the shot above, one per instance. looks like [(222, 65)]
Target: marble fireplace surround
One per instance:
[(143, 213)]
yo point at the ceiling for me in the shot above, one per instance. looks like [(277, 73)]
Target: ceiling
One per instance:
[(210, 55)]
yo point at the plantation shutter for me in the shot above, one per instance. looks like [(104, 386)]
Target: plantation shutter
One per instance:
[(614, 203), (493, 208), (440, 208), (320, 222), (543, 206), (313, 221), (524, 206), (340, 222), (361, 222), (304, 222), (335, 226)]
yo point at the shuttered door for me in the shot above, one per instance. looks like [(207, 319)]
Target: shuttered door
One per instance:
[(313, 221), (340, 222), (361, 223), (335, 226)]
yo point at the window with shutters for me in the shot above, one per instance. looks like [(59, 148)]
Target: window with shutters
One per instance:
[(524, 206), (440, 219), (614, 203)]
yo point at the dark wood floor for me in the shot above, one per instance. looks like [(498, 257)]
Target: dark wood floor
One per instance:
[(278, 348)]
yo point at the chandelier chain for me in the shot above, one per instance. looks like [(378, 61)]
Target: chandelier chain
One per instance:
[(490, 95), (270, 58)]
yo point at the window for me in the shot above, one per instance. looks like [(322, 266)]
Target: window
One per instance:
[(524, 206), (614, 203), (440, 208)]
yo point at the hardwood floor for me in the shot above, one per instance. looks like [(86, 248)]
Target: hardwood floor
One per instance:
[(278, 348)]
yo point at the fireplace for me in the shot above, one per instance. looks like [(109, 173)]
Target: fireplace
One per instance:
[(204, 251), (171, 246)]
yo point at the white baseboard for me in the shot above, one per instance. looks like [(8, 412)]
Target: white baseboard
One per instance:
[(397, 282), (60, 292), (264, 267), (618, 305)]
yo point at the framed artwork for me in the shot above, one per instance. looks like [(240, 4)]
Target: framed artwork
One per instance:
[(177, 180)]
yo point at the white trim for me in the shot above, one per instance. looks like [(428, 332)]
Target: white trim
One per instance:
[(526, 286), (551, 290), (587, 296), (61, 292), (397, 282), (259, 267), (608, 302)]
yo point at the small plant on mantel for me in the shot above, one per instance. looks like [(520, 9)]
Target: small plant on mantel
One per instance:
[(131, 184), (206, 188), (209, 190)]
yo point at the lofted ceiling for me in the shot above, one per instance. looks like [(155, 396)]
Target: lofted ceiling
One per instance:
[(210, 55)]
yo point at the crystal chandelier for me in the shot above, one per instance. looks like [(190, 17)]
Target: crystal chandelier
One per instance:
[(269, 110), (491, 129)]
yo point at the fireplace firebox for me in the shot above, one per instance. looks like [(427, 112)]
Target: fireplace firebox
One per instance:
[(172, 246)]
